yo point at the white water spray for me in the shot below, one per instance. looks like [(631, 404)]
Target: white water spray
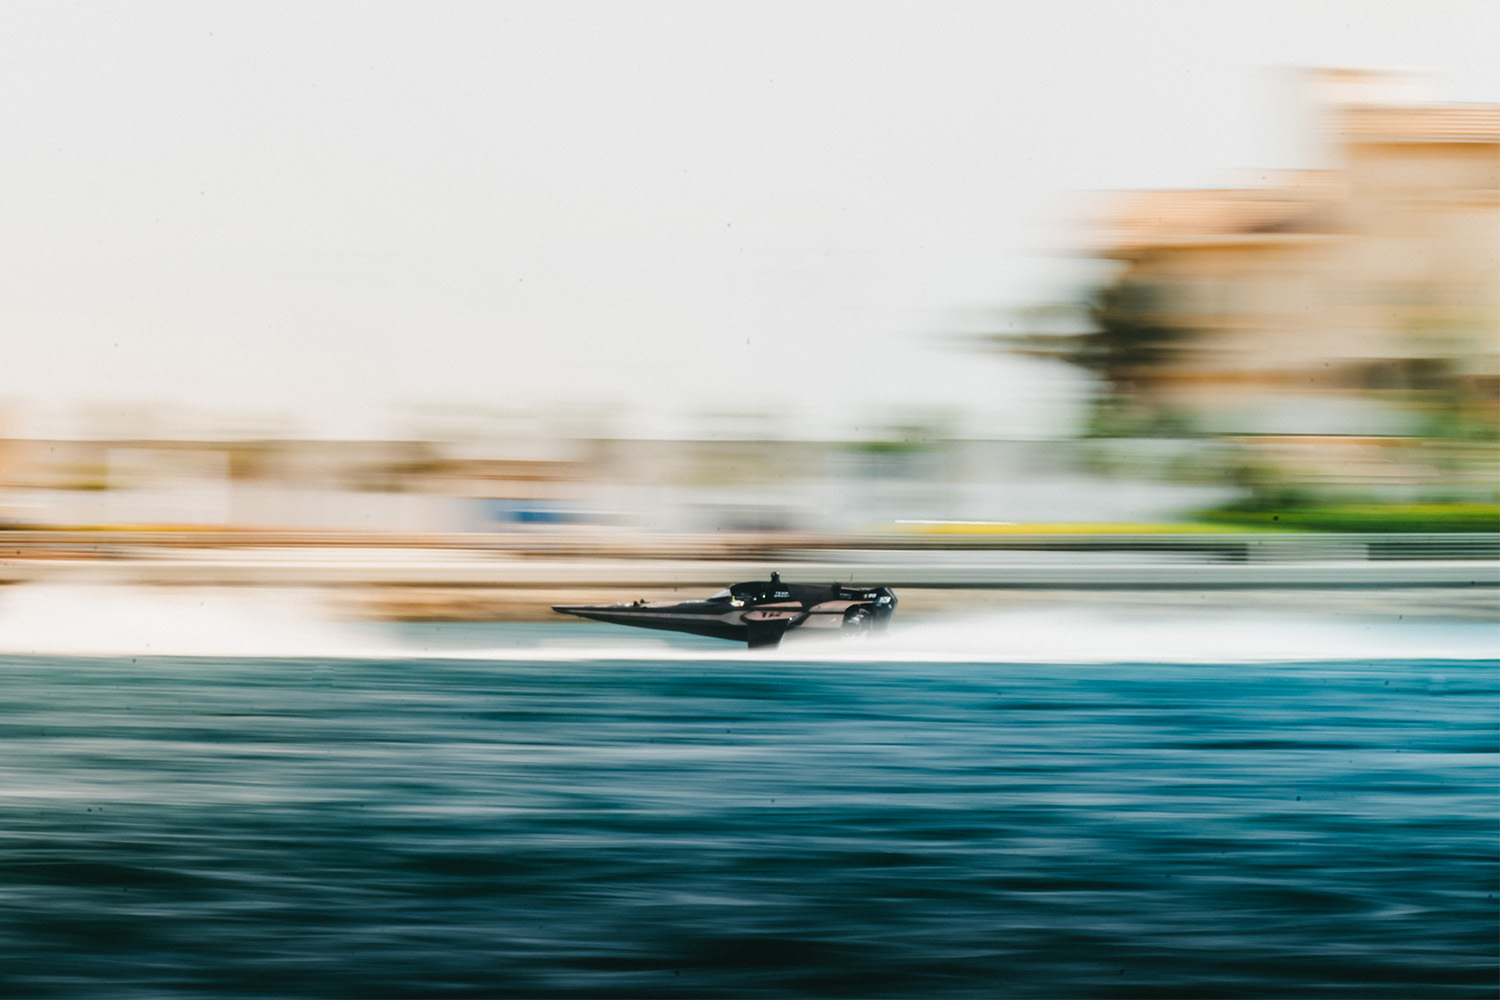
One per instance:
[(107, 620)]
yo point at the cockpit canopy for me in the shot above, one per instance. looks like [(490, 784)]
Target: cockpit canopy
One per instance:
[(755, 590)]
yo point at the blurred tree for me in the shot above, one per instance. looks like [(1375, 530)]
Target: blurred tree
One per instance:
[(1117, 332), (1129, 343)]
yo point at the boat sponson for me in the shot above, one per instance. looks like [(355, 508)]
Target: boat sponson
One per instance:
[(703, 619)]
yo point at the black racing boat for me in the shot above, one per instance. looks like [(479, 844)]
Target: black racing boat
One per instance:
[(758, 613)]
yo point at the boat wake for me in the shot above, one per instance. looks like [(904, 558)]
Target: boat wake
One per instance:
[(114, 621), (46, 619)]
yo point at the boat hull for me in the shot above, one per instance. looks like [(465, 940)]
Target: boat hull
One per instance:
[(736, 626)]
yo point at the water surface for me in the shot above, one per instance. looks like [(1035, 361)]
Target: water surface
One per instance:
[(699, 824)]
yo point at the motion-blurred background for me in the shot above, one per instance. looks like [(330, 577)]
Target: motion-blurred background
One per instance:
[(745, 282)]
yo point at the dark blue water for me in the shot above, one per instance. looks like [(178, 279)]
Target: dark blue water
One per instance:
[(723, 827)]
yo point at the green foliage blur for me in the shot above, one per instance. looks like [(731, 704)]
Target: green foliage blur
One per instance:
[(1302, 515)]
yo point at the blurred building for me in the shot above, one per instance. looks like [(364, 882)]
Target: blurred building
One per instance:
[(695, 486), (377, 486), (1329, 318)]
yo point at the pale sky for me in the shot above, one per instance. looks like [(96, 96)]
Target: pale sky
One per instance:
[(341, 211)]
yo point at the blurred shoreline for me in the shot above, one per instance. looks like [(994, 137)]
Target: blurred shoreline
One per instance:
[(515, 577)]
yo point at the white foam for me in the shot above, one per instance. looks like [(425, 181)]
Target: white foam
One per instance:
[(1083, 635), (108, 620)]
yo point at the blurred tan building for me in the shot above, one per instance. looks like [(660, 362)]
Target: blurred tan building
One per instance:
[(377, 486), (1354, 305)]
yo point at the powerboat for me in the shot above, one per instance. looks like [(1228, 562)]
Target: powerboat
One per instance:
[(758, 613)]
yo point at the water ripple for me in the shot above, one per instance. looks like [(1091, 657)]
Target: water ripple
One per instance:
[(713, 827)]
